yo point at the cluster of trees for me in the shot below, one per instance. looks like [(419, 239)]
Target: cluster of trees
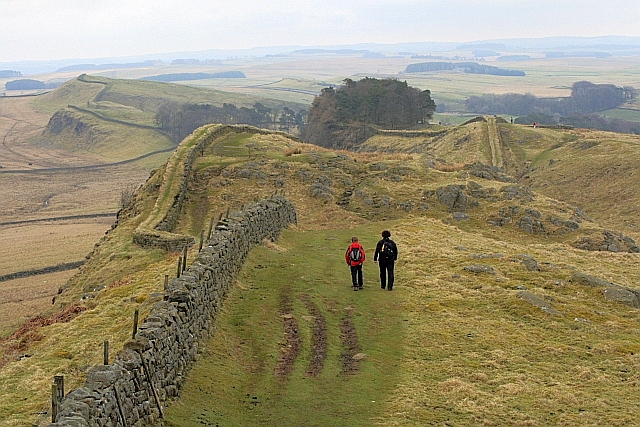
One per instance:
[(467, 67), (5, 74), (586, 97), (179, 120), (29, 84), (340, 118)]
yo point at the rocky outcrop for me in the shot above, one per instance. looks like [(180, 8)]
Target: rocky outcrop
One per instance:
[(152, 368), (492, 173), (609, 241), (65, 120), (611, 291), (541, 303), (455, 199)]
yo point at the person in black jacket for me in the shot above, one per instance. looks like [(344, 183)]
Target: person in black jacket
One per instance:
[(385, 256)]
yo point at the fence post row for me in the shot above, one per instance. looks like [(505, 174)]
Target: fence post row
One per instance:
[(57, 388)]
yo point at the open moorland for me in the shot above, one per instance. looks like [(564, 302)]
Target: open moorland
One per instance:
[(464, 346), (501, 314)]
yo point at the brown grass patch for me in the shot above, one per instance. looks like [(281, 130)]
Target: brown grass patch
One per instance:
[(119, 283), (449, 167), (38, 245), (292, 151), (29, 332)]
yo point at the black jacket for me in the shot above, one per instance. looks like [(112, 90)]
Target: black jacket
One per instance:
[(391, 244)]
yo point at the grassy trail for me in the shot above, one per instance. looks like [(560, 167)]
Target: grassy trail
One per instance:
[(251, 374), (494, 142)]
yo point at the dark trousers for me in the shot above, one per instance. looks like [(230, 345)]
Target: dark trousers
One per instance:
[(386, 268), (356, 276)]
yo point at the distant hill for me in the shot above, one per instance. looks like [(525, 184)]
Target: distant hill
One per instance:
[(514, 58), (179, 77), (94, 67)]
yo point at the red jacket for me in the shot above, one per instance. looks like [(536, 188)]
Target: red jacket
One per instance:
[(349, 260)]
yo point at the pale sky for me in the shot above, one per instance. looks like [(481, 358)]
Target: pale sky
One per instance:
[(62, 29)]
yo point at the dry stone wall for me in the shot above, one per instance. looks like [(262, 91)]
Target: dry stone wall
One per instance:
[(161, 235), (152, 368)]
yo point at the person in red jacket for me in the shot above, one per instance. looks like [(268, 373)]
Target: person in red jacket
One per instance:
[(355, 259)]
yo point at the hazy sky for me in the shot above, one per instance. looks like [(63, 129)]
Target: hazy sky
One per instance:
[(60, 29)]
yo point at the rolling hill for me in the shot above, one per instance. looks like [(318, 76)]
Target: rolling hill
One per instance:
[(516, 300)]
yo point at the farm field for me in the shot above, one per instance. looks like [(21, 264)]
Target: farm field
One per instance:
[(33, 246), (26, 298), (545, 77)]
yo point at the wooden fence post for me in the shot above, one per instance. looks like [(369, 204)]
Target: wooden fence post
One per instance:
[(106, 353), (135, 324), (201, 241), (120, 411), (166, 282), (59, 381), (184, 259), (147, 372), (54, 402), (210, 229), (57, 394), (179, 266)]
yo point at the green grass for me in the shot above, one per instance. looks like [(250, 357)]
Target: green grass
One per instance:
[(234, 384), (447, 346)]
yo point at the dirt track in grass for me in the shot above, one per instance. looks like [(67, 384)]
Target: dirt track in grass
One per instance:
[(292, 341), (318, 338)]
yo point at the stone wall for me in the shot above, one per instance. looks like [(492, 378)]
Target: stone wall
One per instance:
[(152, 368), (161, 234)]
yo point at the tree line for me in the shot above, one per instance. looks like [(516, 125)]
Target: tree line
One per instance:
[(467, 67), (342, 117), (179, 120), (586, 97)]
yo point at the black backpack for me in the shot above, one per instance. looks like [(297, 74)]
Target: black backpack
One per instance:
[(386, 252), (355, 254)]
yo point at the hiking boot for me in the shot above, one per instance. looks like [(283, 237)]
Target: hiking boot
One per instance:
[(360, 287), (355, 288)]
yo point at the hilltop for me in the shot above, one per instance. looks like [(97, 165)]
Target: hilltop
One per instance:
[(511, 306)]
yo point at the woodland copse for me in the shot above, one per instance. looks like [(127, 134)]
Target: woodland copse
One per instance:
[(340, 118)]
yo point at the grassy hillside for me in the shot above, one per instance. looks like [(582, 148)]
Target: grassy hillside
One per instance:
[(488, 323), (110, 120), (593, 170)]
